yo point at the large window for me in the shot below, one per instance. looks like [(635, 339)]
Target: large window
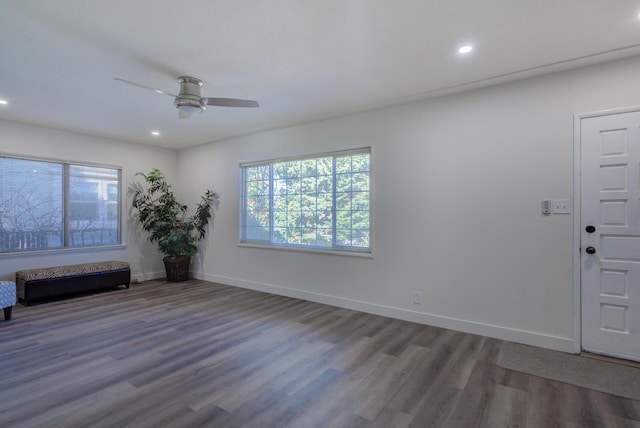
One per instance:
[(48, 204), (320, 202)]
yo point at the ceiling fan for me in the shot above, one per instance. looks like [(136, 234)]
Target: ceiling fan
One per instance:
[(189, 100)]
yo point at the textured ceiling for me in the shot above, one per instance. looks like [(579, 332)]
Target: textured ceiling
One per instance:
[(303, 60)]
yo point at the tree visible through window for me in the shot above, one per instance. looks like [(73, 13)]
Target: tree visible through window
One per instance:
[(316, 202), (46, 204)]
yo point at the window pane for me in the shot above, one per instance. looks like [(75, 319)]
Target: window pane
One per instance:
[(343, 182), (325, 236), (279, 235), (257, 204), (309, 185), (360, 181), (360, 238), (343, 237), (30, 204), (280, 170), (360, 201), (293, 169), (343, 201), (93, 220), (343, 164), (309, 168), (360, 162), (257, 233)]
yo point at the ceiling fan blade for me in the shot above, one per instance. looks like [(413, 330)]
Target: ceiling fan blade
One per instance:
[(144, 87), (231, 102), (182, 114)]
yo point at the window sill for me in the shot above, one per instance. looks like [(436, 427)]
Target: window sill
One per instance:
[(68, 250), (308, 250)]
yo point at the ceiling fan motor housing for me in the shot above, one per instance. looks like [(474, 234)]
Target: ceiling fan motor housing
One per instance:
[(189, 98)]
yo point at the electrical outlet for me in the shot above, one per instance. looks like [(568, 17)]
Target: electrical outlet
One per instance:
[(417, 297), (561, 206)]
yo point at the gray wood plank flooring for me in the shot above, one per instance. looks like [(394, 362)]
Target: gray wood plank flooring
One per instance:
[(201, 354)]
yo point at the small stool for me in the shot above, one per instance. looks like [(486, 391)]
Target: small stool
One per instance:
[(7, 297)]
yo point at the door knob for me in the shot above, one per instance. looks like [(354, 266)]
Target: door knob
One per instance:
[(590, 229), (590, 250)]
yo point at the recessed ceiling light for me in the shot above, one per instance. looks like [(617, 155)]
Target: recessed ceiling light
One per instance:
[(4, 102), (155, 133), (465, 49)]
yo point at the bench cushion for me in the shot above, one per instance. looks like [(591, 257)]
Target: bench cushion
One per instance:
[(70, 270)]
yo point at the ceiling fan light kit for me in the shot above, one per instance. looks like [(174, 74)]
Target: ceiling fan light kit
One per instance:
[(189, 99)]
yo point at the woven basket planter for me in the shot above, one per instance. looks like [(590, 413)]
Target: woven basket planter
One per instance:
[(177, 268)]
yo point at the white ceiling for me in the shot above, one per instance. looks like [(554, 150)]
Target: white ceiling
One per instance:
[(303, 60)]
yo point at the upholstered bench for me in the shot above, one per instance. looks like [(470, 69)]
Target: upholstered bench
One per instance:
[(56, 281), (7, 297)]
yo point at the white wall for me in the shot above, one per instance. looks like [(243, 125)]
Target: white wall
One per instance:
[(457, 183), (42, 142)]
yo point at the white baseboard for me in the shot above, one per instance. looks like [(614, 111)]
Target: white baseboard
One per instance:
[(564, 344), (147, 276)]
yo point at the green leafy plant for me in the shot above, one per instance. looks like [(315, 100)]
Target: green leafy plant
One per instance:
[(166, 219)]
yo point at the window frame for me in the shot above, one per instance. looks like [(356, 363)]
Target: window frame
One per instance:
[(334, 248), (66, 245)]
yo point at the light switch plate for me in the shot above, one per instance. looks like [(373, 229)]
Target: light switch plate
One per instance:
[(562, 206)]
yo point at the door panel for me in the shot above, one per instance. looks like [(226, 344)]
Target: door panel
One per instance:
[(610, 255)]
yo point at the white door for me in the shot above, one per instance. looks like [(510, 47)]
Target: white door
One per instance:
[(610, 234)]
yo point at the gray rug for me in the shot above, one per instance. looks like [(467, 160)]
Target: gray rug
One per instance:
[(615, 379)]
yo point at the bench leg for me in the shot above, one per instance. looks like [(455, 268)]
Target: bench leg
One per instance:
[(7, 313)]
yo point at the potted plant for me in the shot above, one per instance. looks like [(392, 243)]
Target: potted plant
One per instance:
[(166, 220)]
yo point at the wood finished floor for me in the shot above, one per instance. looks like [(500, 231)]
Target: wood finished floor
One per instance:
[(201, 354)]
